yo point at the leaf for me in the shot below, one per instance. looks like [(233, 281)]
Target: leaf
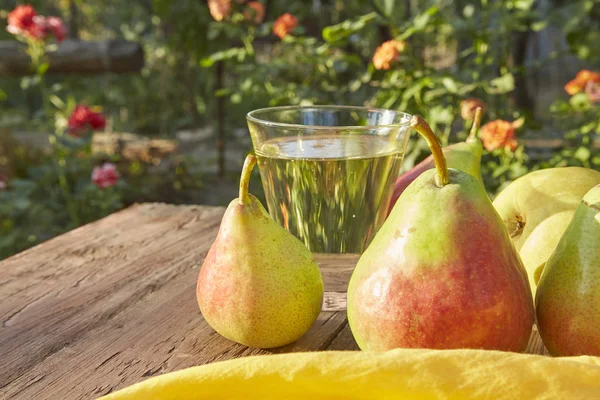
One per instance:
[(406, 33), (539, 25), (582, 154), (502, 84), (518, 123), (418, 24), (441, 115), (500, 171), (223, 92), (464, 89), (450, 84), (385, 7), (421, 20), (236, 98), (468, 11), (339, 32), (579, 100), (414, 92), (391, 100), (354, 85), (238, 53), (42, 68), (57, 101)]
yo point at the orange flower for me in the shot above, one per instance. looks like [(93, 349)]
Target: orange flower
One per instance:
[(581, 79), (592, 89), (498, 134), (219, 9), (468, 107), (387, 53), (254, 12), (284, 25)]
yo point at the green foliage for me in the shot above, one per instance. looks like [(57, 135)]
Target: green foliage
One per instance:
[(453, 50), (580, 21)]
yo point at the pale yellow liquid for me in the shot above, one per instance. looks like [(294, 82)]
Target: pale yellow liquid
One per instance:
[(331, 192)]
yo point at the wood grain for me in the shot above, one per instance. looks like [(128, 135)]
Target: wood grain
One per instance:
[(113, 303)]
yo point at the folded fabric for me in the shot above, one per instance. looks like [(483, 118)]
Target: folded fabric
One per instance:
[(396, 374)]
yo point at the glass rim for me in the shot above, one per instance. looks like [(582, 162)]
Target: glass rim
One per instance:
[(252, 118)]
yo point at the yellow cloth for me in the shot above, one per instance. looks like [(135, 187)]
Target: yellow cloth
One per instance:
[(396, 374)]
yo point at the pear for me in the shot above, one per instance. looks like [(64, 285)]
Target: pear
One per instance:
[(537, 208), (464, 156), (258, 285), (442, 271), (568, 295)]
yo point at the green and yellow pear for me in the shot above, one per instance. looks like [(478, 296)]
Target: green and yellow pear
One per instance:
[(258, 285), (442, 271), (537, 208), (568, 293), (464, 156)]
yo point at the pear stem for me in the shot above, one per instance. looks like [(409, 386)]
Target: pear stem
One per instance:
[(419, 125), (249, 163), (475, 127)]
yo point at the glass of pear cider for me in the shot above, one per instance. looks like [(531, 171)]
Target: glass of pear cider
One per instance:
[(328, 171)]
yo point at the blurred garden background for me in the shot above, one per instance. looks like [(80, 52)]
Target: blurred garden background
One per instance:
[(104, 103)]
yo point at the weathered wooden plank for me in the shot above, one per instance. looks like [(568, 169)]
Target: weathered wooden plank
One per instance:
[(535, 345), (76, 57), (161, 333), (345, 341), (93, 277), (336, 270), (109, 309), (334, 301)]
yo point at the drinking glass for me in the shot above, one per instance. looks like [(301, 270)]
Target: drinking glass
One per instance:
[(328, 171)]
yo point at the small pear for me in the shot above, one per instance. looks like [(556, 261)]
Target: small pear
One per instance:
[(442, 272), (568, 294), (259, 285), (536, 209), (464, 156)]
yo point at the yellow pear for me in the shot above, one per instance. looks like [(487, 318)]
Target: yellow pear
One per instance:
[(258, 285), (537, 208), (568, 295)]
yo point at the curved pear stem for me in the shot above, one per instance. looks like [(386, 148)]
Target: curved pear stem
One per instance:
[(419, 125), (475, 127), (245, 179)]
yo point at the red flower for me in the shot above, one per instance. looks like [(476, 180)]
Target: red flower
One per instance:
[(83, 118), (284, 25), (254, 12), (38, 30), (581, 80), (2, 182), (23, 20), (105, 175), (20, 19), (468, 107), (498, 134), (387, 53), (219, 9), (56, 26)]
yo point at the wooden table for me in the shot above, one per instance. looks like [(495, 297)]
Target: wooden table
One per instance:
[(113, 303)]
